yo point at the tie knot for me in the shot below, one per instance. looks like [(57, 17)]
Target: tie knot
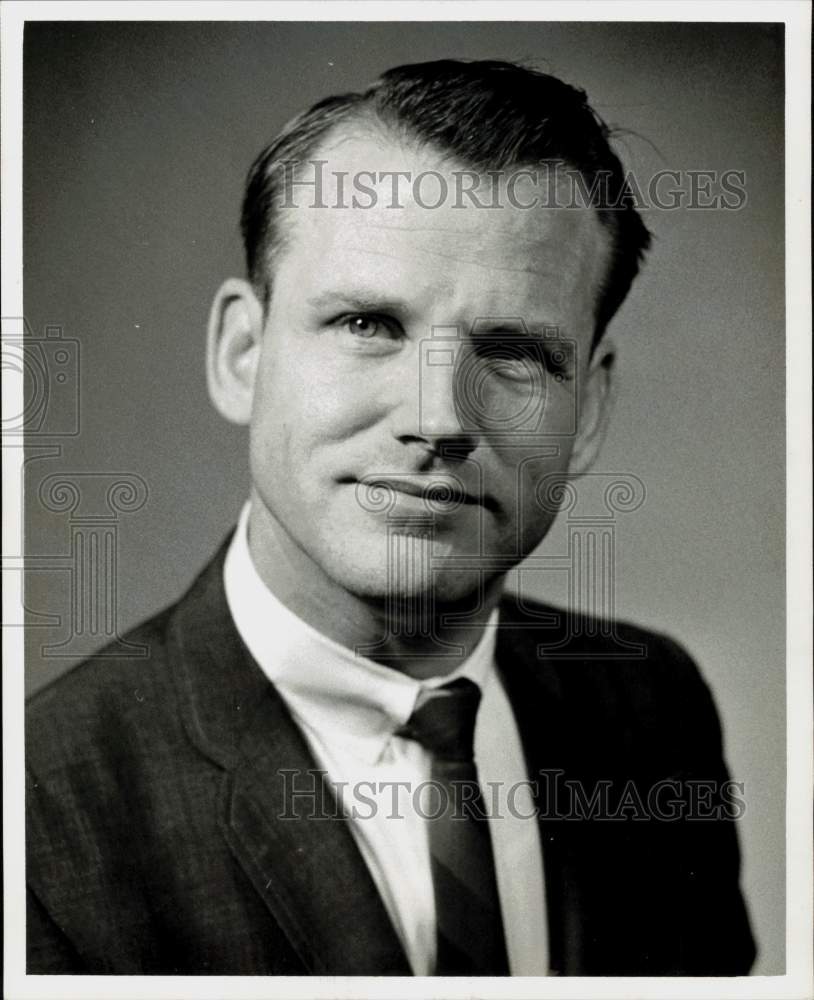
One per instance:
[(443, 720)]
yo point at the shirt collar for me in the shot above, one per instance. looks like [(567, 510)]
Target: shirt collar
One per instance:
[(340, 696)]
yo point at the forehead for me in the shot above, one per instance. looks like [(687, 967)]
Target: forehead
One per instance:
[(398, 215)]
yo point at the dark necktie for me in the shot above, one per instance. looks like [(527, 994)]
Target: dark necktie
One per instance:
[(470, 937)]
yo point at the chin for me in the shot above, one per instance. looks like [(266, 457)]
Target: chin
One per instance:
[(400, 567)]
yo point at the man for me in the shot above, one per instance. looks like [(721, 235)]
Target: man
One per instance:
[(343, 752)]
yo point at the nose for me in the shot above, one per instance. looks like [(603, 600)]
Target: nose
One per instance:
[(435, 422)]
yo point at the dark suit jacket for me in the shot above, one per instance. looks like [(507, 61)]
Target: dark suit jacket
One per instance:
[(154, 804)]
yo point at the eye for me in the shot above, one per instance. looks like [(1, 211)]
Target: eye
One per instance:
[(367, 333), (525, 359), (367, 326), (515, 359)]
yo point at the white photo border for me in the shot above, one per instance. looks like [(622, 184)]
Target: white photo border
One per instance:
[(798, 981)]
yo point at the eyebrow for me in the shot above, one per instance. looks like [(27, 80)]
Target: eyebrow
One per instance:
[(538, 330), (361, 300)]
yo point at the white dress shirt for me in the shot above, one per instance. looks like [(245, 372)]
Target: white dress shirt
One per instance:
[(348, 708)]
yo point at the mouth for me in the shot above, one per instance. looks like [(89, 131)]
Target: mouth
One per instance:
[(441, 493)]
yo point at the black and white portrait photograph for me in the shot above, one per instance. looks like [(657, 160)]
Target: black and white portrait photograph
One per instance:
[(407, 521)]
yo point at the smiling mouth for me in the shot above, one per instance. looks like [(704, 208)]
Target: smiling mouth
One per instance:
[(439, 491)]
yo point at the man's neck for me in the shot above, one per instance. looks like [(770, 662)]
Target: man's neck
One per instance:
[(396, 632)]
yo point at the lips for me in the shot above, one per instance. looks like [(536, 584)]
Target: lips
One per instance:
[(440, 491)]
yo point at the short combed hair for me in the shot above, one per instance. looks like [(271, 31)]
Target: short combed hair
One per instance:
[(490, 116)]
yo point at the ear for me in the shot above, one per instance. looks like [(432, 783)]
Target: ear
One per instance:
[(233, 349), (598, 397)]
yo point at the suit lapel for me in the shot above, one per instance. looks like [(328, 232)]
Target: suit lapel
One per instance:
[(284, 827), (541, 709), (279, 820)]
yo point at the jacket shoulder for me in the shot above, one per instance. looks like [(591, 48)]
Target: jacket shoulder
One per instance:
[(611, 674), (122, 700), (571, 634), (103, 691)]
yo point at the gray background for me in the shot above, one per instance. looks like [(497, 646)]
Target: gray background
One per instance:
[(137, 141)]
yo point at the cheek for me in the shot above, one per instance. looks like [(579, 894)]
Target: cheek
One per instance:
[(560, 412), (321, 394), (529, 505), (302, 419), (538, 473)]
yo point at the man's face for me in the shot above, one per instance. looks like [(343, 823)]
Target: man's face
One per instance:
[(401, 420)]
